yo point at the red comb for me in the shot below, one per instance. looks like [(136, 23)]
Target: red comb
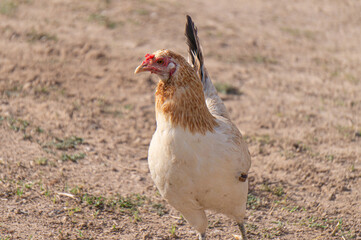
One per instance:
[(149, 56)]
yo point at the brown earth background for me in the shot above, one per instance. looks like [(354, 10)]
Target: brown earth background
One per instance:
[(75, 123)]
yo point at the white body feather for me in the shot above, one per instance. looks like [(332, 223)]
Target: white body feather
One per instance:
[(195, 172), (197, 157)]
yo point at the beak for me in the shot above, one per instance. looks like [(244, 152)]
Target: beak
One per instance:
[(141, 68)]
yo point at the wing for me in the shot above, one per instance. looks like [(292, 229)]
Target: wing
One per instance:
[(213, 101)]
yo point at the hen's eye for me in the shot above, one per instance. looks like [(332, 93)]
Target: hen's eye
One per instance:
[(160, 61)]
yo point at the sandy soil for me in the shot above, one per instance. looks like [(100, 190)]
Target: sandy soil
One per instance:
[(75, 123)]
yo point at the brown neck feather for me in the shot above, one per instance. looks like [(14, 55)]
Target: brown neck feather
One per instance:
[(181, 100)]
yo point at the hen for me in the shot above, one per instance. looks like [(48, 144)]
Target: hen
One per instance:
[(197, 157)]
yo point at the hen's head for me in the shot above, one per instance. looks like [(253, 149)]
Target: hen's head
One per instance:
[(164, 63)]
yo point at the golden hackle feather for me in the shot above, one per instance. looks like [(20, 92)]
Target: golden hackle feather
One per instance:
[(181, 99)]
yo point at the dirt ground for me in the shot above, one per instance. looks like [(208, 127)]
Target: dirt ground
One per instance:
[(75, 123)]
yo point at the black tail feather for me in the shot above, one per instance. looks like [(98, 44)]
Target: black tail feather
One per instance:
[(195, 50), (213, 101)]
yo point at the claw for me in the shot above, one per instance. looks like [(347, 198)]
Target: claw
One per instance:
[(243, 232)]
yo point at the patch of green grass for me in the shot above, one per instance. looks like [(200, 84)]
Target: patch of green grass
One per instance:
[(75, 190), (34, 36), (80, 234), (128, 204), (320, 223), (278, 191), (275, 190), (349, 234), (47, 193), (337, 225), (132, 205), (5, 238), (294, 209), (173, 230), (68, 143), (253, 202), (290, 208), (72, 157), (352, 169), (115, 228), (273, 232), (17, 124), (73, 210), (313, 223), (39, 129), (330, 157), (19, 191), (28, 185), (97, 202), (226, 88), (96, 213), (136, 216), (42, 161), (8, 7), (131, 202), (251, 227), (159, 208)]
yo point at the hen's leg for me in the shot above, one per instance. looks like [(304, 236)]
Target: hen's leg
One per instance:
[(243, 232), (197, 219), (202, 236)]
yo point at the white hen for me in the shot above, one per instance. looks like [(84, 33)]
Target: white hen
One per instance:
[(197, 157)]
